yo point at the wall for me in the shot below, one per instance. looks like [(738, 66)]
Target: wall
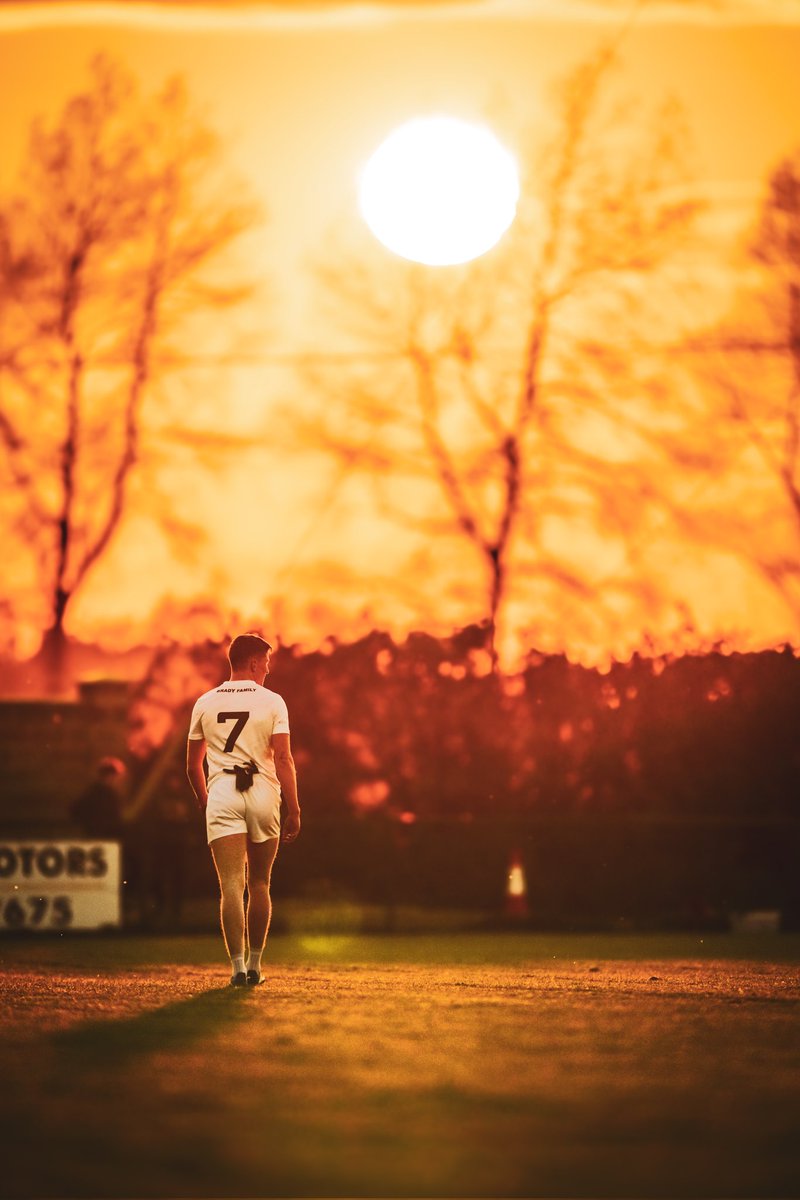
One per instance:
[(50, 750)]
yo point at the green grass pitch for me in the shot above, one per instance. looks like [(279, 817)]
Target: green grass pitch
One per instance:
[(472, 1065)]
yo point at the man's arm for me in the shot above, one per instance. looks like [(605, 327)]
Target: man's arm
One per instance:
[(195, 753), (287, 778)]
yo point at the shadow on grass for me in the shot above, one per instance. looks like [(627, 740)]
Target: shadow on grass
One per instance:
[(97, 1096), (104, 1044)]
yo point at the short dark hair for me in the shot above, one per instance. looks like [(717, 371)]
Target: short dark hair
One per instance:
[(246, 646)]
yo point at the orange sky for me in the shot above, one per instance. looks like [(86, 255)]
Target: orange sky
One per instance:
[(302, 94)]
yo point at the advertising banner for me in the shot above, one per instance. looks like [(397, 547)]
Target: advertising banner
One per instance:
[(51, 886)]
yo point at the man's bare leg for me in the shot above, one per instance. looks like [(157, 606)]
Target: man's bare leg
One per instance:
[(260, 857), (229, 859)]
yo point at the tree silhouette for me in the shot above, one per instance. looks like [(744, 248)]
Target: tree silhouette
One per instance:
[(749, 367), (110, 248), (498, 409)]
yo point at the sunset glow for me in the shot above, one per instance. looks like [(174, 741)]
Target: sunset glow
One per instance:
[(439, 191), (329, 437)]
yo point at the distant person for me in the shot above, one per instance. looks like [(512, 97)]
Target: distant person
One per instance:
[(161, 836), (98, 811), (174, 823), (243, 730)]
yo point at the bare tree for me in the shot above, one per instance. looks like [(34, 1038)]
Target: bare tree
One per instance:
[(109, 248), (499, 409), (747, 370)]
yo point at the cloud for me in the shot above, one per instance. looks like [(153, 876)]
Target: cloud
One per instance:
[(249, 15)]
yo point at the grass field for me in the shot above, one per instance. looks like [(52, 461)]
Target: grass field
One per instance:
[(471, 1065)]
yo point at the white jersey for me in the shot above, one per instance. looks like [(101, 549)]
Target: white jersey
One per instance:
[(238, 720)]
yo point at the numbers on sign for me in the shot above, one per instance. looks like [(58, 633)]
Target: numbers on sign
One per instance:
[(62, 911), (16, 916), (14, 913), (241, 719)]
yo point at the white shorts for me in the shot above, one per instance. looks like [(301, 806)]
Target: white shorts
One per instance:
[(256, 812)]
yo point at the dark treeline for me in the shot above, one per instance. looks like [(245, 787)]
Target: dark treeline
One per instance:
[(712, 735), (662, 790)]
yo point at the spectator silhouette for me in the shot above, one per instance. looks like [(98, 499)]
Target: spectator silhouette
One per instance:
[(164, 832), (98, 810)]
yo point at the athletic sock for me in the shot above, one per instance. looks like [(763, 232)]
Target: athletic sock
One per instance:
[(254, 961), (237, 964)]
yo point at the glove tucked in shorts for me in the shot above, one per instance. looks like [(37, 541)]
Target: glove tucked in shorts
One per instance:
[(256, 812)]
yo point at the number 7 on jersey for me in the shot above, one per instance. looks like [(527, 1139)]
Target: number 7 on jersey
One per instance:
[(241, 719)]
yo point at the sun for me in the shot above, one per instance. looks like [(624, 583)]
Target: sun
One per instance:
[(439, 191)]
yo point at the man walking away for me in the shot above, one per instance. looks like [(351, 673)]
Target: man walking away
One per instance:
[(242, 729)]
